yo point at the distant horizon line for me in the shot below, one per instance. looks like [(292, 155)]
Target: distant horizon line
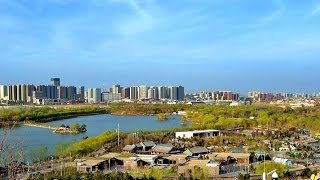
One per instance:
[(191, 92)]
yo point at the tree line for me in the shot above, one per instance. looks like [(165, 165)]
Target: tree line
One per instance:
[(40, 113)]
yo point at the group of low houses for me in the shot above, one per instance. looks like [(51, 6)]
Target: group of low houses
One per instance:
[(157, 155), (150, 154)]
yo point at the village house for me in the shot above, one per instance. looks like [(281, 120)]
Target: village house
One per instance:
[(138, 161), (132, 148), (107, 162), (240, 158), (91, 165), (178, 158), (196, 151), (147, 145), (211, 167), (164, 149), (198, 133), (164, 161)]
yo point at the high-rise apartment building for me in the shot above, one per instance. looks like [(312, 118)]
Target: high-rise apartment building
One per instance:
[(3, 92), (43, 89), (9, 91), (125, 94), (116, 89), (180, 93), (173, 92), (71, 92), (94, 95), (51, 92), (143, 92), (225, 96), (62, 92), (153, 93), (134, 92), (29, 91), (81, 93), (163, 92), (19, 93), (13, 93), (55, 81)]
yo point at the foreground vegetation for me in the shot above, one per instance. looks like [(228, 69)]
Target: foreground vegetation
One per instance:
[(71, 173), (140, 174), (86, 146)]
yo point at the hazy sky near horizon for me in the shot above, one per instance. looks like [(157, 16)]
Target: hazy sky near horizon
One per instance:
[(240, 45)]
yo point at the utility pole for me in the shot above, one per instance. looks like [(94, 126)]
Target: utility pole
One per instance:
[(61, 169), (307, 159), (264, 175), (118, 135)]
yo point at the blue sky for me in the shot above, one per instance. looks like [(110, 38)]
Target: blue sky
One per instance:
[(240, 45)]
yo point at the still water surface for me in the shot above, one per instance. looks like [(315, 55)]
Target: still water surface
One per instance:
[(96, 124)]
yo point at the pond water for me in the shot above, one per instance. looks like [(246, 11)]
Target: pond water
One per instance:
[(96, 124)]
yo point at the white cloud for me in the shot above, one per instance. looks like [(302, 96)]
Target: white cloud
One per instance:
[(276, 13), (316, 10), (141, 21)]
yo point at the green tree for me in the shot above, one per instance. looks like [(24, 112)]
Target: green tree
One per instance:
[(75, 126), (98, 176), (38, 154), (270, 166), (60, 148)]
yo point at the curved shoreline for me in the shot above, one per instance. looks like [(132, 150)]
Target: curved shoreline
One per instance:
[(50, 119), (45, 120)]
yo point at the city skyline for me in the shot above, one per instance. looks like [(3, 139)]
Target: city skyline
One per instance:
[(108, 88), (270, 46)]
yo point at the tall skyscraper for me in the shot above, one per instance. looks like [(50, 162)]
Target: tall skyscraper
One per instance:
[(94, 95), (52, 92), (143, 92), (71, 92), (180, 93), (55, 81), (125, 93), (153, 93), (81, 93), (3, 92), (13, 93), (29, 92), (10, 87), (19, 93), (62, 92), (133, 92), (116, 89), (23, 95), (163, 92), (43, 89), (173, 92)]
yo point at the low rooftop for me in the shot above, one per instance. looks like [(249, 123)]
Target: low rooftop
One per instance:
[(201, 131), (92, 162), (226, 155)]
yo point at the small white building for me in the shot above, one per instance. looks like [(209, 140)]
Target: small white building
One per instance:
[(283, 161), (198, 133)]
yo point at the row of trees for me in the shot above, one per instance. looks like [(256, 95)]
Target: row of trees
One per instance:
[(224, 117), (86, 146), (147, 109), (32, 113)]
